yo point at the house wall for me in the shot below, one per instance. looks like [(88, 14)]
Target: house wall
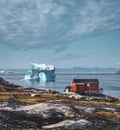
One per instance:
[(94, 86), (82, 87)]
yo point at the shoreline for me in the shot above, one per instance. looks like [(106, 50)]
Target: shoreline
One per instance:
[(110, 87)]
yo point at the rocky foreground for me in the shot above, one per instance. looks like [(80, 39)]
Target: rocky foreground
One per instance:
[(29, 108)]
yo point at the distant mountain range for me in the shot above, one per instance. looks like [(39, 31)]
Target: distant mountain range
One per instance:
[(88, 70), (69, 70)]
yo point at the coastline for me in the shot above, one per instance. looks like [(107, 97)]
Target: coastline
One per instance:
[(30, 108), (109, 83)]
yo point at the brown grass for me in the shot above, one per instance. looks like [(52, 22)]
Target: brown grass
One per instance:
[(102, 102), (7, 95), (27, 98), (109, 114), (45, 97)]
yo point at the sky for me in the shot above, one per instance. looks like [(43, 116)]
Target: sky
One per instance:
[(64, 33)]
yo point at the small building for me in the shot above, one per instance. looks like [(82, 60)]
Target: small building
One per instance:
[(67, 89), (85, 85)]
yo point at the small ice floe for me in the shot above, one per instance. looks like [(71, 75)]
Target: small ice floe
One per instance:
[(2, 72)]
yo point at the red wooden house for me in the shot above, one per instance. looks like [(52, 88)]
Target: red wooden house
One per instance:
[(85, 85)]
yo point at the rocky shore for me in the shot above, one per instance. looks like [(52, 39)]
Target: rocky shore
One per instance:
[(30, 108)]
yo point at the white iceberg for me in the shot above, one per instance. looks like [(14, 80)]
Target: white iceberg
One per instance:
[(40, 72)]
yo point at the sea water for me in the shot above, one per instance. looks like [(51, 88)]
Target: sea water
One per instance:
[(109, 82)]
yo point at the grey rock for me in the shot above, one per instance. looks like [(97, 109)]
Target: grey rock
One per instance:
[(70, 125), (91, 109), (46, 109)]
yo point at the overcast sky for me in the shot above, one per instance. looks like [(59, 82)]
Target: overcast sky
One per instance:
[(65, 33)]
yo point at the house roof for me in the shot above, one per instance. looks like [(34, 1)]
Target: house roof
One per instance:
[(86, 80)]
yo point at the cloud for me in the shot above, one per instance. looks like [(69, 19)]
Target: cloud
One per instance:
[(118, 63), (94, 18), (72, 56), (27, 24)]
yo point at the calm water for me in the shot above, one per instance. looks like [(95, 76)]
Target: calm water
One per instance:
[(109, 82)]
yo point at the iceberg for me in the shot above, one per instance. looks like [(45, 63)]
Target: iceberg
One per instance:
[(40, 72)]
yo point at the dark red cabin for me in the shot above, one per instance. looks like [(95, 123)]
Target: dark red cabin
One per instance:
[(85, 85)]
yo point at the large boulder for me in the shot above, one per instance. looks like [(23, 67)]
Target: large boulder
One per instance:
[(48, 111)]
